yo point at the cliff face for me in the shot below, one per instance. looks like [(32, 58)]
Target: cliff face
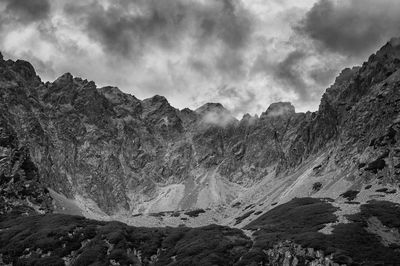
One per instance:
[(128, 155), (21, 191)]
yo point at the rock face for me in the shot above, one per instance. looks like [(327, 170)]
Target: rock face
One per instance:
[(128, 155), (21, 191)]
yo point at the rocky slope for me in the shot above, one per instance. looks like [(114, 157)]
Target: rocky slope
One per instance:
[(119, 154), (21, 191)]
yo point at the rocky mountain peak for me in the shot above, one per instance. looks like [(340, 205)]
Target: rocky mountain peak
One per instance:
[(116, 96), (158, 112), (280, 109), (157, 104), (246, 116), (247, 119), (389, 53), (215, 114), (1, 57), (111, 90), (211, 107), (64, 79), (186, 111), (25, 69), (158, 99)]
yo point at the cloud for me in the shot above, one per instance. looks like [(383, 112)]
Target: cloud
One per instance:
[(132, 27), (301, 71), (215, 114), (244, 54), (26, 11), (324, 74), (237, 100), (287, 72), (353, 28), (279, 109), (217, 119)]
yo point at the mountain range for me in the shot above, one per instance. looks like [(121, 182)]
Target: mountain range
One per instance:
[(199, 187)]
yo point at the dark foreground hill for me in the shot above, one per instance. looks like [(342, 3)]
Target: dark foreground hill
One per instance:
[(287, 235)]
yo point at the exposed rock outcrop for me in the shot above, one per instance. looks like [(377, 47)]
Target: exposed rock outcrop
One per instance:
[(21, 192)]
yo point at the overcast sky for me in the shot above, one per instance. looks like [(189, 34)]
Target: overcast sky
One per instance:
[(245, 54)]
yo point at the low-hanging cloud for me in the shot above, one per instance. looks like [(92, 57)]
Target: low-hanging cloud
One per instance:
[(215, 114), (353, 28), (238, 100)]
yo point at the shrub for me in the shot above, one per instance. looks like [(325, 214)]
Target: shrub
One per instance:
[(195, 213), (381, 190), (91, 255), (376, 165), (176, 214), (249, 207), (244, 216), (317, 186), (237, 204), (350, 194)]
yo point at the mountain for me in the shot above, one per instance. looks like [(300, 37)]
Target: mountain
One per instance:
[(68, 147)]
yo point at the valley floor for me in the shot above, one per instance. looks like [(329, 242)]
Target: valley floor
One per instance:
[(294, 233)]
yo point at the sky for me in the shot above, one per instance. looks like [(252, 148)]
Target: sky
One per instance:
[(245, 54)]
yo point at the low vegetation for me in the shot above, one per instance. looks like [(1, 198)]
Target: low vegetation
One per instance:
[(386, 190), (376, 165), (195, 213), (50, 239), (350, 194), (47, 239), (301, 219), (249, 207), (317, 186), (242, 217)]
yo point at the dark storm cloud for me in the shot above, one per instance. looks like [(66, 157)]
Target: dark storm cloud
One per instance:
[(294, 74), (288, 74), (163, 23), (323, 76), (26, 10), (352, 28)]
